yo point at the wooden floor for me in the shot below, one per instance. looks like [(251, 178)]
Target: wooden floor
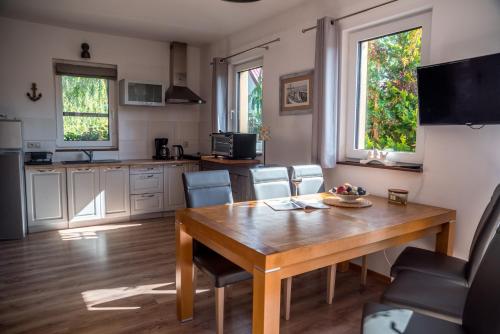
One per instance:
[(120, 278)]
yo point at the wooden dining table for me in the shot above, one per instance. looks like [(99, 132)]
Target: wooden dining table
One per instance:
[(274, 245)]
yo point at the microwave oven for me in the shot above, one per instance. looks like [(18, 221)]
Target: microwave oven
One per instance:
[(234, 145), (142, 93)]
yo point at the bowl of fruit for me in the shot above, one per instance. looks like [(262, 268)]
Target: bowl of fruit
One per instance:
[(348, 192)]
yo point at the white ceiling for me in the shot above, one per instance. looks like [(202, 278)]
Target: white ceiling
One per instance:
[(193, 21)]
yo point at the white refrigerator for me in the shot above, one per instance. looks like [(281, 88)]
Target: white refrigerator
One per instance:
[(12, 198)]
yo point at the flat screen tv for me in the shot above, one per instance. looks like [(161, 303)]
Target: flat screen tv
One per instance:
[(460, 92)]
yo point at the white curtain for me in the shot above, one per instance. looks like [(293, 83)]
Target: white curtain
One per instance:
[(219, 94), (324, 143)]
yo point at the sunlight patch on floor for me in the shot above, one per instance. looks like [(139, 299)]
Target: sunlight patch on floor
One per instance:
[(95, 298), (90, 232)]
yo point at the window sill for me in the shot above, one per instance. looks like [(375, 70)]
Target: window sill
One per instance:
[(403, 167)]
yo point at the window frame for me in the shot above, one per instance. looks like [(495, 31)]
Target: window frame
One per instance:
[(110, 144), (234, 115), (354, 38)]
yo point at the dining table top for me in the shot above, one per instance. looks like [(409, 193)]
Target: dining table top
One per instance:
[(265, 232)]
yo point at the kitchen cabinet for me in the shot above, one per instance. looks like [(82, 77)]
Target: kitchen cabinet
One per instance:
[(146, 189), (146, 169), (146, 203), (46, 199), (114, 186), (146, 183), (173, 187), (84, 198), (193, 167)]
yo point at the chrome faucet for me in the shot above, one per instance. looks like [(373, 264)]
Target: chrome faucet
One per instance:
[(89, 154)]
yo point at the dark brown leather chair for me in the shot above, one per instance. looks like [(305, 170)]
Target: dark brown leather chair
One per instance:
[(443, 295), (206, 189), (452, 268), (481, 314)]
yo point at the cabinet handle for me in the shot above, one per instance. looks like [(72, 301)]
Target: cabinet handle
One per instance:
[(84, 169), (113, 168), (46, 170), (150, 176), (149, 196)]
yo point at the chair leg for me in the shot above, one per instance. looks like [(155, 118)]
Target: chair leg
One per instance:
[(330, 284), (195, 279), (219, 310), (364, 270), (287, 296)]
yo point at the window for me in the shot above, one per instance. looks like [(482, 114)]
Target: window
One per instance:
[(248, 99), (382, 107), (85, 100)]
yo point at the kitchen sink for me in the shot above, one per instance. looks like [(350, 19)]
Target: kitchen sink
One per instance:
[(80, 162)]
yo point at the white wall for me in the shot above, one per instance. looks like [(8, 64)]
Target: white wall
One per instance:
[(27, 51), (461, 166)]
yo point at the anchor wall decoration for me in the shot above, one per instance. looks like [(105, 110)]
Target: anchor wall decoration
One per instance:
[(33, 97)]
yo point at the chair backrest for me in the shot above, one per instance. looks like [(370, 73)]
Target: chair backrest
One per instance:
[(270, 182), (482, 306), (312, 179), (489, 223), (207, 188)]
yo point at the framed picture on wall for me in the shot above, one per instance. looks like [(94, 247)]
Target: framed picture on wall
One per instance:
[(296, 93)]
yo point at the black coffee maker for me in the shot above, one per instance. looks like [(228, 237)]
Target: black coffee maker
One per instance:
[(161, 149)]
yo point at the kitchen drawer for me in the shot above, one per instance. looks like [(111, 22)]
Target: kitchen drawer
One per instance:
[(146, 203), (146, 183), (149, 169)]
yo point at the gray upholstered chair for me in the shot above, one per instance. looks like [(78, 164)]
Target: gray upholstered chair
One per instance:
[(458, 270), (480, 313), (312, 179), (207, 189), (269, 182), (313, 182), (273, 182), (439, 294)]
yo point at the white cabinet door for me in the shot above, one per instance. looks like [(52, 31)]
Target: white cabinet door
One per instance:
[(146, 183), (114, 183), (46, 199), (173, 188), (146, 203), (193, 167), (146, 169), (84, 202)]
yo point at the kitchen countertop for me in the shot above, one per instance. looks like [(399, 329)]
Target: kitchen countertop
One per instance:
[(120, 163), (231, 161)]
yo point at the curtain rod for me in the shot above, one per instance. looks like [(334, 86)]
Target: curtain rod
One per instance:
[(352, 14), (263, 45)]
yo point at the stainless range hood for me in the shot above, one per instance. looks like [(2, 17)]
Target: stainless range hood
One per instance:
[(178, 92)]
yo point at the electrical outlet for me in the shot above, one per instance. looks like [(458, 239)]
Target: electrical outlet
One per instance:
[(33, 144), (185, 144)]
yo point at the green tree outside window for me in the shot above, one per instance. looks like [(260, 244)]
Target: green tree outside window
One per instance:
[(85, 109), (391, 91)]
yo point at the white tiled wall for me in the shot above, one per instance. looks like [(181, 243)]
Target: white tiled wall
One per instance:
[(28, 50)]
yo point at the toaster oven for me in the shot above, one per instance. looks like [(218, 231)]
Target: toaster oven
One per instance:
[(234, 145)]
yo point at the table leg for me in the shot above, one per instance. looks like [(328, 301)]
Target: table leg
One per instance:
[(184, 273), (445, 238), (266, 301), (343, 267), (330, 287)]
